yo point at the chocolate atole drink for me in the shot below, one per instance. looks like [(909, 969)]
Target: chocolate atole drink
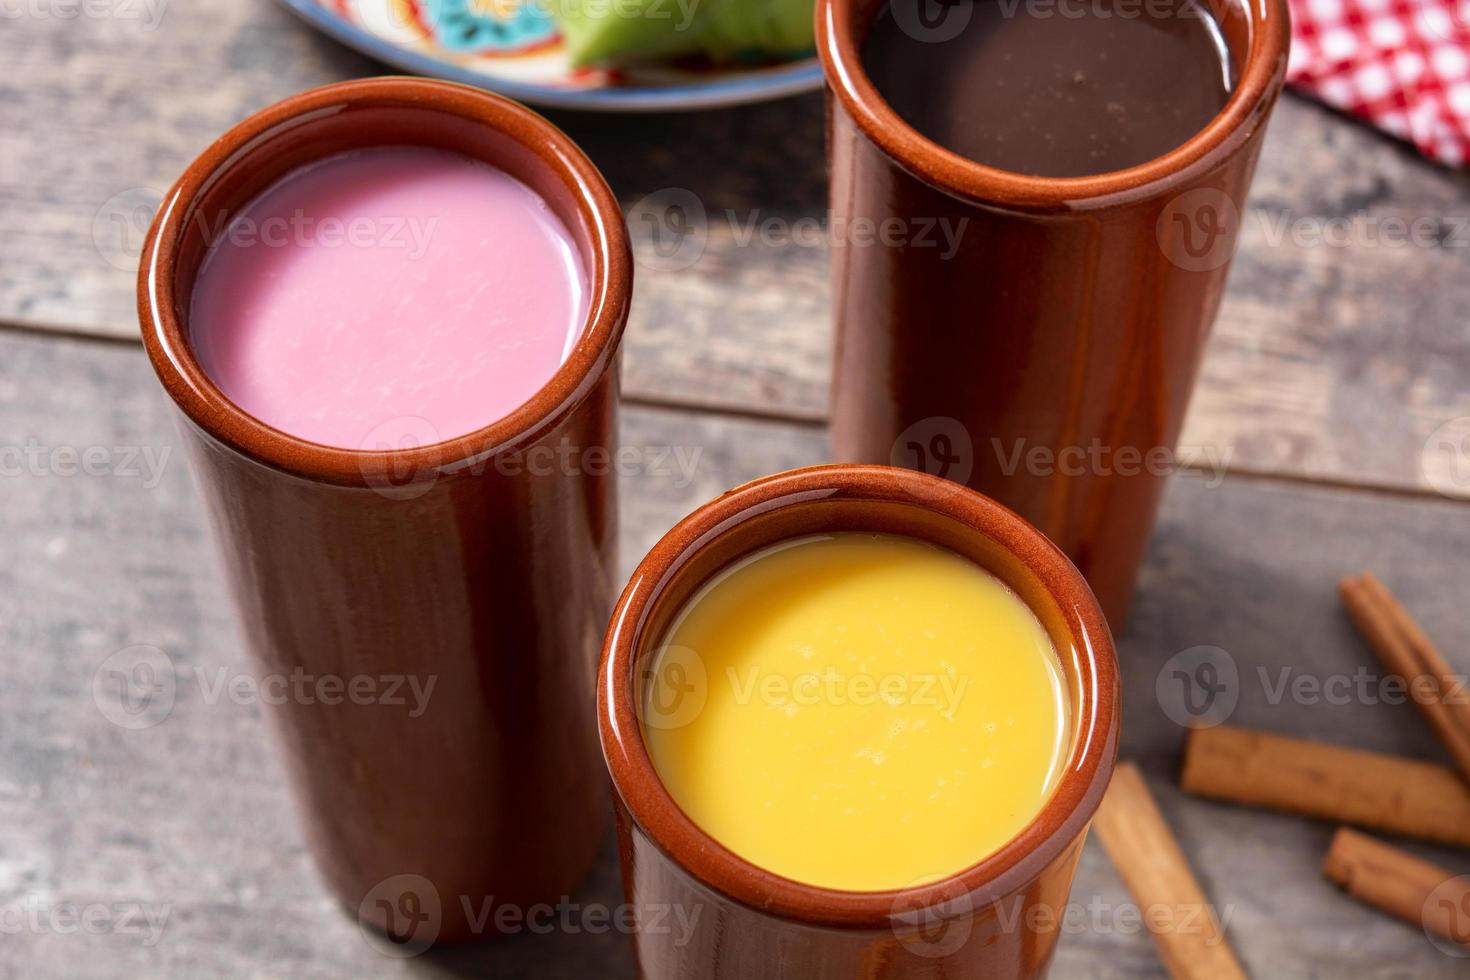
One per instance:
[(1090, 160), (1084, 87)]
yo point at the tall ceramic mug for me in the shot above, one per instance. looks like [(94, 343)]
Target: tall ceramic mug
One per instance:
[(1047, 358), (478, 569), (706, 912)]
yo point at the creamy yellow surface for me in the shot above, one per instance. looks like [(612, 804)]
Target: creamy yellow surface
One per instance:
[(859, 712)]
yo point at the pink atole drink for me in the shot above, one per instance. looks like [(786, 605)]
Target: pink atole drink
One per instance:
[(387, 294)]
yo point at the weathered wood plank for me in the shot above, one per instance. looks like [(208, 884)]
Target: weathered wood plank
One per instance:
[(1331, 361), (190, 817)]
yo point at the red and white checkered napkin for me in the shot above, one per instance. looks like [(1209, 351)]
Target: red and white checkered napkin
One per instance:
[(1402, 65)]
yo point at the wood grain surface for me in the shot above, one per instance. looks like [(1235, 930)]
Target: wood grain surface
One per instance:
[(190, 820), (1339, 351), (1337, 381)]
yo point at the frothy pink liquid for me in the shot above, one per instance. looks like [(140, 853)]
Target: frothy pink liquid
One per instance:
[(386, 297)]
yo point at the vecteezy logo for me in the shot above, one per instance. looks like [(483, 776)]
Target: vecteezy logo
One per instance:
[(135, 688), (939, 446), (934, 930), (1448, 21), (932, 21), (396, 466), (670, 229), (401, 916), (1446, 917), (1197, 230), (121, 225), (1199, 687), (1446, 458), (675, 688)]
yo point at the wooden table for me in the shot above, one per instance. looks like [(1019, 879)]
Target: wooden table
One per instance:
[(1332, 369)]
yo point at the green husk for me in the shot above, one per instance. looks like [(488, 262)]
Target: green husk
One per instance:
[(621, 32)]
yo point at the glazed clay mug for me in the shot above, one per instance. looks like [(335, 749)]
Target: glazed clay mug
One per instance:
[(455, 563), (1047, 359), (996, 920)]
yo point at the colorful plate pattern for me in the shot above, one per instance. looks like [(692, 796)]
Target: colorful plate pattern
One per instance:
[(513, 48)]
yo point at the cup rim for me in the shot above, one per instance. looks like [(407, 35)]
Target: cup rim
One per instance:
[(1246, 109), (166, 340), (1060, 822)]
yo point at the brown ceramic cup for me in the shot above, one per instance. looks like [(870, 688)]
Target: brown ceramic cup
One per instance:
[(703, 911), (483, 565), (1047, 358)]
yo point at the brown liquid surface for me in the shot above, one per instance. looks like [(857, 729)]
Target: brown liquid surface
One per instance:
[(1051, 88)]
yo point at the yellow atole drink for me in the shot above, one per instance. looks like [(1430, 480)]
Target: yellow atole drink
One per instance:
[(858, 711)]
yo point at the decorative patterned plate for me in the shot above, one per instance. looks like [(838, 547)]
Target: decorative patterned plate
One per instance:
[(512, 47)]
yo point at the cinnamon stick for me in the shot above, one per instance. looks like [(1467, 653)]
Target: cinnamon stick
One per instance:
[(1451, 683), (1400, 884), (1368, 789), (1181, 920), (1406, 650)]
